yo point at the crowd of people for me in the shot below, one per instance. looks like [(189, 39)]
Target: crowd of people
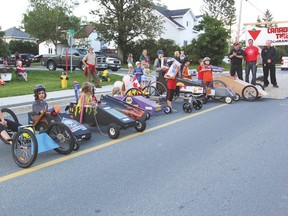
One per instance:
[(141, 70)]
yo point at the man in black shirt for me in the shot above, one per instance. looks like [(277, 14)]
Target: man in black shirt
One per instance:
[(268, 55), (236, 55)]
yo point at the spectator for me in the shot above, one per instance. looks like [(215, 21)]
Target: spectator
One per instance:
[(145, 57), (159, 66), (236, 55), (199, 70), (268, 55), (90, 62), (130, 62), (252, 61), (171, 86), (21, 70), (138, 71)]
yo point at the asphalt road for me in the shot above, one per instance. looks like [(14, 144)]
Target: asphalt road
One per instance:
[(221, 160)]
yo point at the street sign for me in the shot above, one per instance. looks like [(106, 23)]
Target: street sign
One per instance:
[(71, 32), (71, 41)]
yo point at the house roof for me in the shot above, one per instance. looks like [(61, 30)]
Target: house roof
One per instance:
[(170, 14), (85, 31), (16, 33)]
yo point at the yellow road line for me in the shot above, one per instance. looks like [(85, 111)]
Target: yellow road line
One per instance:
[(95, 148)]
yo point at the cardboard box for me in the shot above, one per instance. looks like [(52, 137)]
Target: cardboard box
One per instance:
[(6, 76)]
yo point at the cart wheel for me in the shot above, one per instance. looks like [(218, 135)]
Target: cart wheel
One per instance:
[(148, 116), (9, 114), (113, 131), (250, 93), (167, 109), (197, 104), (228, 100), (87, 137), (260, 85), (141, 125), (187, 107), (76, 145), (24, 148), (237, 97), (63, 136)]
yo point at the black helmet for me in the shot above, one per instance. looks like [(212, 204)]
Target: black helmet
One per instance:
[(38, 88)]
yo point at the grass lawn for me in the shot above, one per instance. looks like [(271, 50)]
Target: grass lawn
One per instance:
[(50, 79)]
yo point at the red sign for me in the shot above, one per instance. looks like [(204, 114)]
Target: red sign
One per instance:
[(254, 33)]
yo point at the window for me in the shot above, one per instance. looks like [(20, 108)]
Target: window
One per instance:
[(188, 24)]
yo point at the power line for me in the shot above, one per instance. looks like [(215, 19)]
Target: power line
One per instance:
[(255, 7)]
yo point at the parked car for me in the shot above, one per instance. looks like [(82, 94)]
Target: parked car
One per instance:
[(38, 58), (23, 57), (59, 61), (284, 63), (30, 56), (113, 63)]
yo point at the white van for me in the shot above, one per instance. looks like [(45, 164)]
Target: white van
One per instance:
[(284, 63)]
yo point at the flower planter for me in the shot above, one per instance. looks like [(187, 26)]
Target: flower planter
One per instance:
[(6, 76)]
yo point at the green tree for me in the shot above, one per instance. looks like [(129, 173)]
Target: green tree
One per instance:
[(267, 17), (23, 47), (221, 9), (4, 48), (122, 21), (212, 42), (48, 20)]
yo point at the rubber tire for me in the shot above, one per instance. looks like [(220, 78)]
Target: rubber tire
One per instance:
[(11, 113), (60, 130), (228, 100), (141, 125), (167, 109), (18, 137), (187, 107), (237, 97), (76, 146), (82, 66), (197, 105), (51, 65), (255, 90), (113, 131), (148, 116)]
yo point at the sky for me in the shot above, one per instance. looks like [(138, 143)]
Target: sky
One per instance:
[(12, 10)]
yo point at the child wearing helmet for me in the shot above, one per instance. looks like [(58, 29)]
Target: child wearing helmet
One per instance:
[(206, 71), (39, 104)]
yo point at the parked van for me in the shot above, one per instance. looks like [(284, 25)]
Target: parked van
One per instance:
[(284, 63)]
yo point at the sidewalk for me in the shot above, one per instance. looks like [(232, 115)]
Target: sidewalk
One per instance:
[(51, 97)]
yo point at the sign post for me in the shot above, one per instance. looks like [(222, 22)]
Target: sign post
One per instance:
[(71, 33)]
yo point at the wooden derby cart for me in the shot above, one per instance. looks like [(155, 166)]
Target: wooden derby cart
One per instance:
[(27, 143), (243, 89)]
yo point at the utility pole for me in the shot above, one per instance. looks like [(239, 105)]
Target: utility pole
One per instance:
[(239, 22)]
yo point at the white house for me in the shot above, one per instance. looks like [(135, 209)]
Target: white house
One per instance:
[(178, 24)]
